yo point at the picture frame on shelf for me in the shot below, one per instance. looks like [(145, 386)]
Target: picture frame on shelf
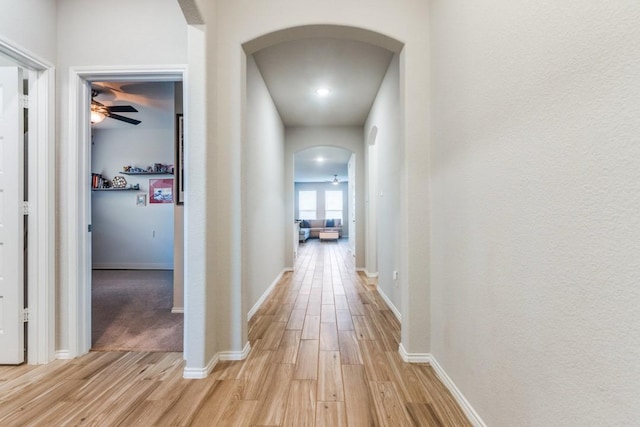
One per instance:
[(179, 167), (160, 191)]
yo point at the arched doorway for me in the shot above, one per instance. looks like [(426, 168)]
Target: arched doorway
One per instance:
[(286, 111)]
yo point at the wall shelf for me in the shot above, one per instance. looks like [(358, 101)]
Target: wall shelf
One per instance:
[(115, 189), (146, 173)]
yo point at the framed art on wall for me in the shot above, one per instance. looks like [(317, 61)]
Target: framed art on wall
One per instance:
[(179, 159), (161, 191)]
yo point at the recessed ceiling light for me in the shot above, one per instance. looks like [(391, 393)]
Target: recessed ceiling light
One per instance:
[(323, 91), (320, 159)]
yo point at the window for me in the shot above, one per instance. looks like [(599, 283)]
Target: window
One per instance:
[(307, 205), (333, 205)]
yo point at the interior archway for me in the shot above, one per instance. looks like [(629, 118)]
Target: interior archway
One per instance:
[(323, 30), (295, 138)]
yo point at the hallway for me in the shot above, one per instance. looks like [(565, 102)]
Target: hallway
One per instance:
[(324, 353)]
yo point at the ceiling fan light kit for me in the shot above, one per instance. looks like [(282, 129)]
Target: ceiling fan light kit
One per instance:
[(100, 111)]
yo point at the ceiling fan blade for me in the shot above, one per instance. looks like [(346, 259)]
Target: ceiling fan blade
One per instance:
[(124, 119), (122, 109)]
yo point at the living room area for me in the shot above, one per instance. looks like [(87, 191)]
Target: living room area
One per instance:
[(322, 193)]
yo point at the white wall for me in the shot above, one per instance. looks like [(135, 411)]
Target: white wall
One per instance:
[(386, 176), (536, 194), (264, 230), (125, 32), (125, 235), (371, 201), (127, 37), (31, 25), (347, 137)]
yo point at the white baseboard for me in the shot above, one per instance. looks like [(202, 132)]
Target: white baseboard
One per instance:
[(130, 266), (392, 307), (466, 407), (200, 373), (236, 355), (414, 357), (367, 273), (266, 294), (177, 310), (63, 355)]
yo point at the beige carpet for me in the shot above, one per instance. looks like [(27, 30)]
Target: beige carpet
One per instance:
[(131, 311)]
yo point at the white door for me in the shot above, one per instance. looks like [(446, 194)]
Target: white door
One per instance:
[(11, 217)]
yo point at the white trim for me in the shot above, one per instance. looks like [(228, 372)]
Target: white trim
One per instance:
[(392, 307), (200, 373), (78, 216), (41, 221), (367, 273), (23, 56), (414, 357), (131, 266), (266, 294), (63, 355), (236, 355), (125, 73), (177, 310), (78, 198), (471, 413), (429, 358)]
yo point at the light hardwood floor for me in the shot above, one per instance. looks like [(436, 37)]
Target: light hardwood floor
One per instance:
[(324, 353)]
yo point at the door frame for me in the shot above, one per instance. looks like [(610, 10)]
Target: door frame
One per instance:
[(41, 220), (79, 201)]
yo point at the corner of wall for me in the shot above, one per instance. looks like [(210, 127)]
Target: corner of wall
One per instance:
[(200, 373)]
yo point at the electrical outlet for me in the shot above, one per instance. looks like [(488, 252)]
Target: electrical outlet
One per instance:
[(395, 274)]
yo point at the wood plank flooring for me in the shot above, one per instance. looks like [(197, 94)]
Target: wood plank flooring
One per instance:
[(324, 353)]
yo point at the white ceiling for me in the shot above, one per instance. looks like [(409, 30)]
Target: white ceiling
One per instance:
[(146, 97), (320, 164), (351, 70)]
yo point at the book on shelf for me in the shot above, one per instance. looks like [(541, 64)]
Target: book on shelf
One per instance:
[(96, 180)]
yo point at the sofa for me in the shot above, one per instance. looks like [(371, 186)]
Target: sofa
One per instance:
[(303, 235), (311, 228)]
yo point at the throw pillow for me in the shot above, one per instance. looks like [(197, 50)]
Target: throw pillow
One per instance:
[(329, 223), (305, 224)]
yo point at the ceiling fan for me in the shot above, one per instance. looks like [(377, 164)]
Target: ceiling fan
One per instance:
[(335, 180), (100, 111)]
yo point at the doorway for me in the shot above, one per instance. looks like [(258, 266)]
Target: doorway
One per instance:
[(133, 203), (79, 262)]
